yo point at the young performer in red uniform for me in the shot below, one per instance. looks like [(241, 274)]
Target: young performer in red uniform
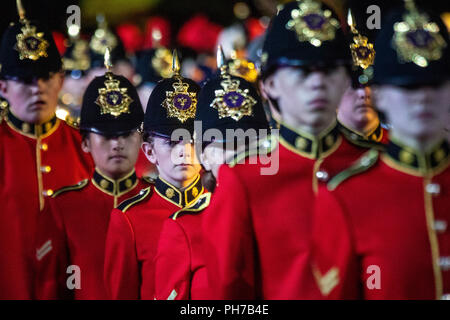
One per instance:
[(357, 116), (225, 103), (384, 233), (135, 225), (258, 225), (72, 228), (38, 152)]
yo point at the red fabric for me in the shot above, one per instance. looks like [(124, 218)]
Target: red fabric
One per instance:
[(76, 223), (131, 36), (156, 23), (257, 228), (378, 218), (19, 192), (255, 28), (131, 246), (59, 41), (199, 34), (179, 262)]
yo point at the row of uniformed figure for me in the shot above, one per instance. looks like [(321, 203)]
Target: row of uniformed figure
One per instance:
[(317, 205)]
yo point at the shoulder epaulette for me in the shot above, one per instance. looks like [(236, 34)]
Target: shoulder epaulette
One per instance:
[(72, 122), (198, 206), (148, 180), (80, 185), (362, 164), (126, 204), (264, 147)]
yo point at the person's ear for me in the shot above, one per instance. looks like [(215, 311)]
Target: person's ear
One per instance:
[(3, 88), (60, 79), (148, 149), (204, 160), (269, 88), (86, 145)]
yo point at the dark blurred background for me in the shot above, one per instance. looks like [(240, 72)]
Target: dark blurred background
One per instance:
[(178, 12)]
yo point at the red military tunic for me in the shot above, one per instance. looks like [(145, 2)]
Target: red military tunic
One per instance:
[(257, 227), (72, 231), (133, 235), (384, 234), (180, 272), (34, 161)]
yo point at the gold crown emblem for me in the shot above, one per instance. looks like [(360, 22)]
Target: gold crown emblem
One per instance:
[(103, 38), (231, 101), (112, 99), (30, 44), (312, 24), (363, 53), (180, 103), (416, 39)]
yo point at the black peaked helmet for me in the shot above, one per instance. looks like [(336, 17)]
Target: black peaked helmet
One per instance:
[(304, 33), (111, 105), (76, 59), (172, 104), (413, 49), (28, 50), (229, 102)]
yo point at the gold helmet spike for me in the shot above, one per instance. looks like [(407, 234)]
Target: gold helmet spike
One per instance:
[(351, 22), (108, 63), (175, 63), (20, 10), (221, 61)]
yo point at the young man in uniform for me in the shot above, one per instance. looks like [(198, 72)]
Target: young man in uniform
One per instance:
[(72, 228), (257, 227), (358, 119), (135, 225), (226, 103), (381, 228), (38, 152)]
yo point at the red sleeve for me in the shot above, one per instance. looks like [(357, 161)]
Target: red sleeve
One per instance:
[(121, 270), (52, 255), (229, 240), (334, 261), (173, 264)]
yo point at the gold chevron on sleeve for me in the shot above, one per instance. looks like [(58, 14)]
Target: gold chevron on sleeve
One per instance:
[(328, 281)]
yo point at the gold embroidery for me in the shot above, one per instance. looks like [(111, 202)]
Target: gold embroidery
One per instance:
[(312, 24), (112, 99), (416, 39)]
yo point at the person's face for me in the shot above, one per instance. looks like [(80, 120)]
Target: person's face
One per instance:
[(176, 161), (33, 102), (214, 155), (356, 106), (418, 113), (125, 69), (113, 156), (75, 88), (308, 99)]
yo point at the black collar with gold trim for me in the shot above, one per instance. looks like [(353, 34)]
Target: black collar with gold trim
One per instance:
[(176, 196), (114, 187), (409, 158), (308, 145), (375, 136), (31, 129)]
